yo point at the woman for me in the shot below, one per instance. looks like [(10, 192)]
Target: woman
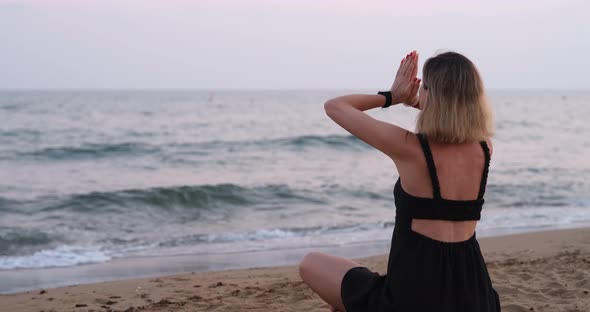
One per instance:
[(435, 263)]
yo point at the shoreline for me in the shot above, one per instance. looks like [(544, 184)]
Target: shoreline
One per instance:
[(545, 271), (20, 280), (135, 267)]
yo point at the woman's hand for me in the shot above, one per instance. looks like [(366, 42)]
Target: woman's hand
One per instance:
[(405, 86)]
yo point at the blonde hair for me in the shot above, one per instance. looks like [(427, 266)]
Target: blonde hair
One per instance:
[(456, 109)]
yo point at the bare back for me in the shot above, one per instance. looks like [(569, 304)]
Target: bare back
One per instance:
[(459, 168)]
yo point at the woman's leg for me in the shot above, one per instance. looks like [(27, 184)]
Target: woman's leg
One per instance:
[(323, 274)]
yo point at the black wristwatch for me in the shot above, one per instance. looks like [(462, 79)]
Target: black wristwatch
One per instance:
[(387, 95)]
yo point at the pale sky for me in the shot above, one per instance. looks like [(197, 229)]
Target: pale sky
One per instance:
[(288, 44)]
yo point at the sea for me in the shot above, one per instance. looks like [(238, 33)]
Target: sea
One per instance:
[(89, 177)]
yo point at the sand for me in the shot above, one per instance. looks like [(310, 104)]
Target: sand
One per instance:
[(543, 271)]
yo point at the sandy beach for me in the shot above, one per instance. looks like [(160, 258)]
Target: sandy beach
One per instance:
[(543, 271)]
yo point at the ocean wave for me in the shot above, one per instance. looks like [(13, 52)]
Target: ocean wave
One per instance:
[(270, 234), (12, 107), (60, 256), (8, 205), (529, 195), (20, 133), (171, 151), (348, 142), (64, 255), (14, 240), (91, 150), (166, 199), (328, 141)]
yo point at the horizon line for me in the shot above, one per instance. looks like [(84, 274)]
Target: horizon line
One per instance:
[(248, 89)]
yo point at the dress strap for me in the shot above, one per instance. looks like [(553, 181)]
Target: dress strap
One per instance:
[(431, 167), (486, 167)]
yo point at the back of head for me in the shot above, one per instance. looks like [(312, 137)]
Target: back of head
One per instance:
[(456, 109)]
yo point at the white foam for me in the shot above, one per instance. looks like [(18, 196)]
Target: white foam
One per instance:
[(277, 233), (258, 235), (58, 257)]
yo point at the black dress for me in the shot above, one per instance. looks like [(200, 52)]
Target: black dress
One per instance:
[(423, 274)]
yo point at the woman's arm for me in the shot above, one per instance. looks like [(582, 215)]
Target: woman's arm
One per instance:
[(347, 111)]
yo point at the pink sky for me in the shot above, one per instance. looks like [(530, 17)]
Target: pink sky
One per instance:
[(378, 7), (241, 43)]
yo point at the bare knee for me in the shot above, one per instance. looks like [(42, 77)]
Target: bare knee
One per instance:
[(307, 263)]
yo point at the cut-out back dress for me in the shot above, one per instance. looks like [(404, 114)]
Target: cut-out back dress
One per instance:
[(424, 274)]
